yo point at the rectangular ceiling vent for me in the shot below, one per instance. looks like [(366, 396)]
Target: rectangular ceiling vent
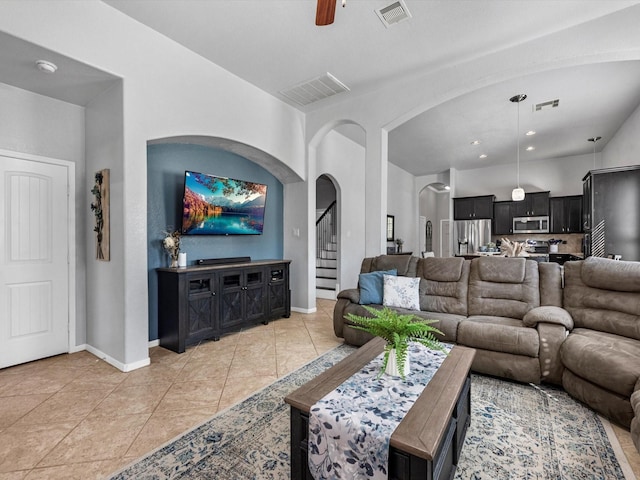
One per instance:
[(315, 89), (546, 105), (394, 13)]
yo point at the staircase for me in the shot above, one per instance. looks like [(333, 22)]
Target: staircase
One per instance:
[(326, 254)]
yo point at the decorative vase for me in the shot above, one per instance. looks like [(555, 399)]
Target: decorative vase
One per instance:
[(174, 262), (393, 367), (553, 248)]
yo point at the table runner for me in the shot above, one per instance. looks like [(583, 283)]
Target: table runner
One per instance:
[(350, 428)]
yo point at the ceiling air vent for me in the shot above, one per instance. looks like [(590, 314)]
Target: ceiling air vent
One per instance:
[(315, 89), (394, 13), (546, 105)]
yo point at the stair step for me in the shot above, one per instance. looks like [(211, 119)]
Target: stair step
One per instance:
[(325, 293), (326, 283), (328, 255), (326, 272), (326, 263)]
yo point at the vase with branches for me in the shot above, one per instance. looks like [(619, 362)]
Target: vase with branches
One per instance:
[(171, 243), (398, 330)]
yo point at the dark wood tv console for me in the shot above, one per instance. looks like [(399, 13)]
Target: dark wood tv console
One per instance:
[(206, 301)]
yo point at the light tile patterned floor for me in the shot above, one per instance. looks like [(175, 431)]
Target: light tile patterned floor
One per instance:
[(76, 417)]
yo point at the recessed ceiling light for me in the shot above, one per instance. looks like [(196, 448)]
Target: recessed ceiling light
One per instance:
[(530, 148), (484, 155), (46, 67), (476, 142), (530, 132)]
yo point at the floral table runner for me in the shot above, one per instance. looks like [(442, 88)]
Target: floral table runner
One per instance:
[(350, 428)]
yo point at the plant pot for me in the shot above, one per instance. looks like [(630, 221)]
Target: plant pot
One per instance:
[(393, 367)]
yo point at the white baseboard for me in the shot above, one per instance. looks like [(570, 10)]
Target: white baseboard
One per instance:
[(124, 367), (154, 343), (304, 310)]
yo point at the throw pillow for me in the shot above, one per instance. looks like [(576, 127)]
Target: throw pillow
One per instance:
[(371, 286), (402, 292)]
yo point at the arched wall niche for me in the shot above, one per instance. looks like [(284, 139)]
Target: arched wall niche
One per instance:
[(167, 160)]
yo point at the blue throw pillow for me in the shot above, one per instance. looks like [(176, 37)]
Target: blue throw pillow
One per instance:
[(371, 286)]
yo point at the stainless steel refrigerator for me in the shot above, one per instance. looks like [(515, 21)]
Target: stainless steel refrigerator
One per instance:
[(469, 235)]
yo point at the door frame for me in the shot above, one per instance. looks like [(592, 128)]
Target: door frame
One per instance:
[(71, 232)]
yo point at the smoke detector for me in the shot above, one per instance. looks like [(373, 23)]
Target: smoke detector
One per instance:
[(394, 13), (46, 67)]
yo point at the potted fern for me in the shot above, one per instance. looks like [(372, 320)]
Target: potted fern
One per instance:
[(398, 330)]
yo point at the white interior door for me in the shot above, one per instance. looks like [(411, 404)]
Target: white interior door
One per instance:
[(34, 271)]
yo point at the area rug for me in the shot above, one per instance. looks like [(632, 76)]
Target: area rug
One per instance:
[(517, 432)]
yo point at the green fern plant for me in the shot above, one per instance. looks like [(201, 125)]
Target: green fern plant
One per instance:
[(397, 330)]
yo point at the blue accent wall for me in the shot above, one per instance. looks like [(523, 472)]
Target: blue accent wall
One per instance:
[(166, 164)]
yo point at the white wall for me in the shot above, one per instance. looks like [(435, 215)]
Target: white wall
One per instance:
[(402, 202), (40, 125), (562, 176), (167, 91), (624, 148), (343, 160)]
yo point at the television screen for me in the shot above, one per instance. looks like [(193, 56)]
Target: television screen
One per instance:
[(222, 206)]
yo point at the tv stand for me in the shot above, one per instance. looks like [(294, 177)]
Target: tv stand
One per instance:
[(206, 301)]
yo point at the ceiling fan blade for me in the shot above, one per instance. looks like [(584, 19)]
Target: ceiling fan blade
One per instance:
[(325, 12)]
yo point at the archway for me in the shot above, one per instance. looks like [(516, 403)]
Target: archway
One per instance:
[(435, 230), (327, 239)]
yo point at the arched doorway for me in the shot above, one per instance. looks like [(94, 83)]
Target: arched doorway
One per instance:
[(435, 231), (326, 238)]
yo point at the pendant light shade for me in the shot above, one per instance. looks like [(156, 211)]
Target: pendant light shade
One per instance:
[(517, 195)]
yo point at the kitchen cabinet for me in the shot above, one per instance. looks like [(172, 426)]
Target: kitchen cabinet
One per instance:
[(473, 208), (206, 301), (611, 212), (565, 214), (503, 217), (533, 205)]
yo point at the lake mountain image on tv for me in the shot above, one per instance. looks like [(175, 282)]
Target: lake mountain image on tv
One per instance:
[(222, 206)]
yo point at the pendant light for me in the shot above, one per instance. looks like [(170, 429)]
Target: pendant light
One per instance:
[(517, 195), (594, 140)]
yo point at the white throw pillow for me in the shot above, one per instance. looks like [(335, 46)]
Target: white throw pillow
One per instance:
[(403, 292)]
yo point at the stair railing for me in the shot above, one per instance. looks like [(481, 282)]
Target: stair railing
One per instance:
[(325, 228)]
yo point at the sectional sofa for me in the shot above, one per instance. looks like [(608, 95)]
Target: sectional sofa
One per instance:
[(577, 326)]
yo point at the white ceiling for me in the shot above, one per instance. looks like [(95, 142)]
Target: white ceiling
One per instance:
[(274, 44)]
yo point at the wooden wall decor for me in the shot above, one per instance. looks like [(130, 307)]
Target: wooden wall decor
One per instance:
[(100, 209)]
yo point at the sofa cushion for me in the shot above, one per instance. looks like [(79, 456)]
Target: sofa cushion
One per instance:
[(403, 292), (501, 269), (611, 274), (604, 359), (612, 311), (444, 284), (371, 286), (404, 264), (499, 334), (510, 294), (441, 269), (447, 323)]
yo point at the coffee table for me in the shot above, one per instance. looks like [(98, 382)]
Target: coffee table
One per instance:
[(427, 442)]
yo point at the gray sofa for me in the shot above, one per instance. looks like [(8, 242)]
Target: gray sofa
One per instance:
[(526, 326)]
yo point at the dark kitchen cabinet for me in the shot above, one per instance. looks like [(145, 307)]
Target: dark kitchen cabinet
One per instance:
[(533, 205), (503, 217), (473, 208), (206, 301), (611, 213), (565, 214)]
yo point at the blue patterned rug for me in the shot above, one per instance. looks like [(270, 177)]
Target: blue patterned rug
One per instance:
[(517, 432)]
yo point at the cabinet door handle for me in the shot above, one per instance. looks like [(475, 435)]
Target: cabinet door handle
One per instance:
[(213, 294)]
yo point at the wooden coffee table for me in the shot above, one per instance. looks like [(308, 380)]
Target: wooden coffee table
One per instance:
[(427, 442)]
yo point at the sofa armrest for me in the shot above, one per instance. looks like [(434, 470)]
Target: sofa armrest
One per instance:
[(352, 294), (548, 314)]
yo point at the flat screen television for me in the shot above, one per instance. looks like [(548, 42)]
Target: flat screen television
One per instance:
[(214, 205)]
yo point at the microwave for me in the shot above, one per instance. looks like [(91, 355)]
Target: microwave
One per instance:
[(531, 224)]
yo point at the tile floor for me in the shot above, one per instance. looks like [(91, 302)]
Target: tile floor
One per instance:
[(76, 417)]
